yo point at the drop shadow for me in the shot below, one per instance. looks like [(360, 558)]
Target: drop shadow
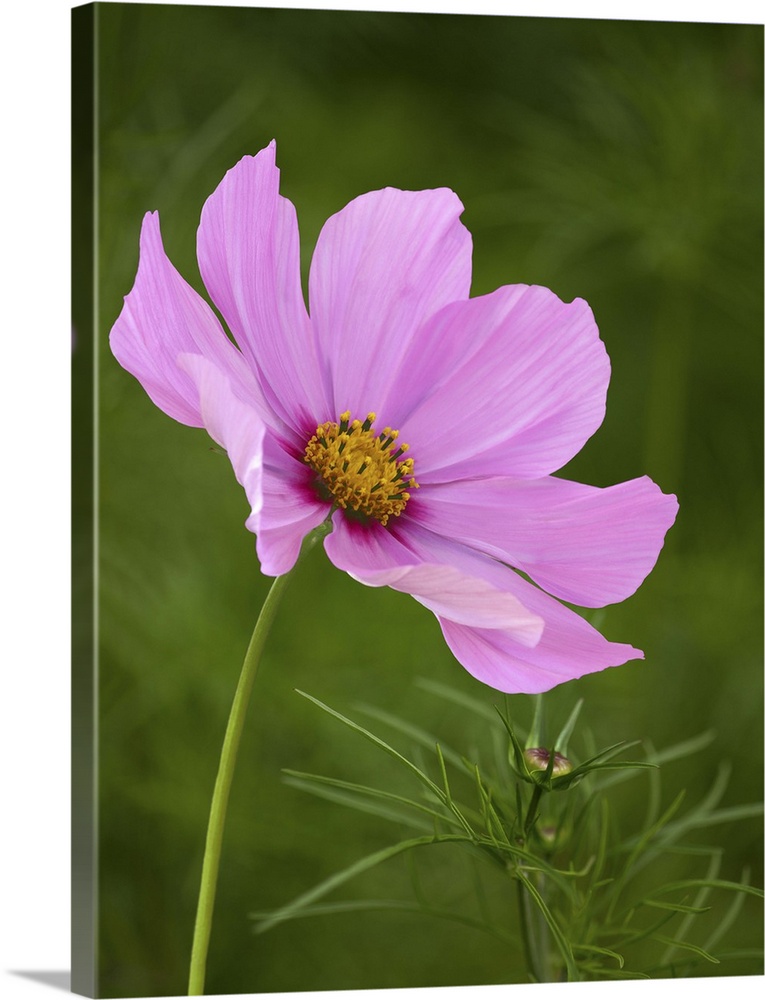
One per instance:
[(59, 980)]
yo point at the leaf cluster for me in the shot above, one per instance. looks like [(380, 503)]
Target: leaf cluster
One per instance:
[(591, 902)]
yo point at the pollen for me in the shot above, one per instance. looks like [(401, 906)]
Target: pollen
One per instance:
[(359, 470)]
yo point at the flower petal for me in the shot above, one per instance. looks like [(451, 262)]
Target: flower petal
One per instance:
[(284, 508), (233, 424), (382, 265), (497, 659), (568, 648), (290, 509), (586, 545), (529, 392), (163, 317), (249, 257), (376, 558)]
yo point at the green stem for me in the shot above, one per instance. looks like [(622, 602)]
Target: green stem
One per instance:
[(211, 861), (533, 811), (534, 943), (524, 915)]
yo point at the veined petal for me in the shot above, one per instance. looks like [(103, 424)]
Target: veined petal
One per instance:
[(583, 544), (529, 391), (497, 659), (283, 507), (376, 558), (163, 317), (249, 257), (569, 646), (233, 424), (289, 512), (381, 266)]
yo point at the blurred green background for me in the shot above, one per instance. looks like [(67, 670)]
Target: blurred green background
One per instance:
[(616, 161)]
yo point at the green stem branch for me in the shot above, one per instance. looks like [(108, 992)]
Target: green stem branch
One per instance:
[(219, 804), (211, 861), (524, 915), (533, 811), (533, 935)]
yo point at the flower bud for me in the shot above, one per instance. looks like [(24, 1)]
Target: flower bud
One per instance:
[(548, 834), (538, 759)]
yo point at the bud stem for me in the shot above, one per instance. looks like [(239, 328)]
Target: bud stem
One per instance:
[(533, 810)]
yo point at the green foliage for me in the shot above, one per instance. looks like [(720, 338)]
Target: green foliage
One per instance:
[(582, 913)]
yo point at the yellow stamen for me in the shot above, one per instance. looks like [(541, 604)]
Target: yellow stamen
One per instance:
[(357, 470)]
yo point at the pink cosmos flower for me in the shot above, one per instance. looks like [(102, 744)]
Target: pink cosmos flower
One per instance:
[(424, 423)]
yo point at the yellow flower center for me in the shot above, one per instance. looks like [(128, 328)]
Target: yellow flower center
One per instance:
[(359, 470)]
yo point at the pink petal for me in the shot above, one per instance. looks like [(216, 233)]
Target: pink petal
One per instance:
[(586, 545), (163, 317), (284, 508), (376, 558), (249, 257), (382, 265), (290, 509), (233, 424), (497, 659), (529, 391), (568, 648)]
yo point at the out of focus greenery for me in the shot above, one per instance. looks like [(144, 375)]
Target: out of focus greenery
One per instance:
[(616, 161)]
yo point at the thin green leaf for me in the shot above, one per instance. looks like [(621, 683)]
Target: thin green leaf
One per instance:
[(523, 860), (292, 909), (600, 951), (609, 751), (618, 765), (631, 936), (685, 748), (608, 973), (704, 814), (653, 807), (581, 824), (597, 762), (518, 804), (492, 821), (630, 866), (687, 946), (716, 792), (693, 883), (431, 785), (724, 925), (345, 906), (741, 953), (299, 779), (503, 774), (689, 850), (409, 906), (675, 907), (520, 764), (370, 808), (685, 927), (535, 737), (699, 819), (565, 734), (670, 754), (599, 859), (414, 875), (414, 733), (560, 938), (444, 776)]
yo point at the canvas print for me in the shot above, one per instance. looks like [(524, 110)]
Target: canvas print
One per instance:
[(417, 496)]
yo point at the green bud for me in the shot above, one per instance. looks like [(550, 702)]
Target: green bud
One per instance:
[(538, 759), (548, 834)]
